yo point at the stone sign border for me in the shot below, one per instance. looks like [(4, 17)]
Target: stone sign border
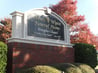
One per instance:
[(19, 30)]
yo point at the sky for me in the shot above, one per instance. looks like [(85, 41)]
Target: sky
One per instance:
[(88, 8)]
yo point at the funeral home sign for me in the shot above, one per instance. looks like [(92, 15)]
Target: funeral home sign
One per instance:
[(40, 26)]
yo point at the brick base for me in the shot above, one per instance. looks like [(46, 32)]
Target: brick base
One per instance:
[(27, 55)]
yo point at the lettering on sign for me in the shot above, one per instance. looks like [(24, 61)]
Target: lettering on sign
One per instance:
[(45, 27)]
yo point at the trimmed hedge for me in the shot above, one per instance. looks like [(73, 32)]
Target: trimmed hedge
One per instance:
[(40, 69), (3, 57), (84, 68), (59, 68), (85, 53), (67, 68)]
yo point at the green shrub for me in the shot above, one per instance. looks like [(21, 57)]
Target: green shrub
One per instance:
[(40, 69), (3, 57), (56, 68), (85, 68), (59, 68), (67, 68), (85, 53)]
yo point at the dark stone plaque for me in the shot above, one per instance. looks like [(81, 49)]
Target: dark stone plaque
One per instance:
[(45, 27)]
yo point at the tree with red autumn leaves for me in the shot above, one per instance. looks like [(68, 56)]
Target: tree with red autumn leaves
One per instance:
[(5, 29), (80, 32), (67, 10)]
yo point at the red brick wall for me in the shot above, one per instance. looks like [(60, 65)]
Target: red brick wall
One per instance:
[(27, 55)]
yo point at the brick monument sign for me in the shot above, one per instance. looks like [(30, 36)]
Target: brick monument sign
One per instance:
[(39, 36)]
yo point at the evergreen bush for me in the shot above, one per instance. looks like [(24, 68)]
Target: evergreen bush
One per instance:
[(3, 57), (59, 68), (40, 69), (67, 68), (85, 53), (85, 68)]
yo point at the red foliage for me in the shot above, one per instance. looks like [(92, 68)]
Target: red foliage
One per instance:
[(5, 29), (80, 33), (67, 10)]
